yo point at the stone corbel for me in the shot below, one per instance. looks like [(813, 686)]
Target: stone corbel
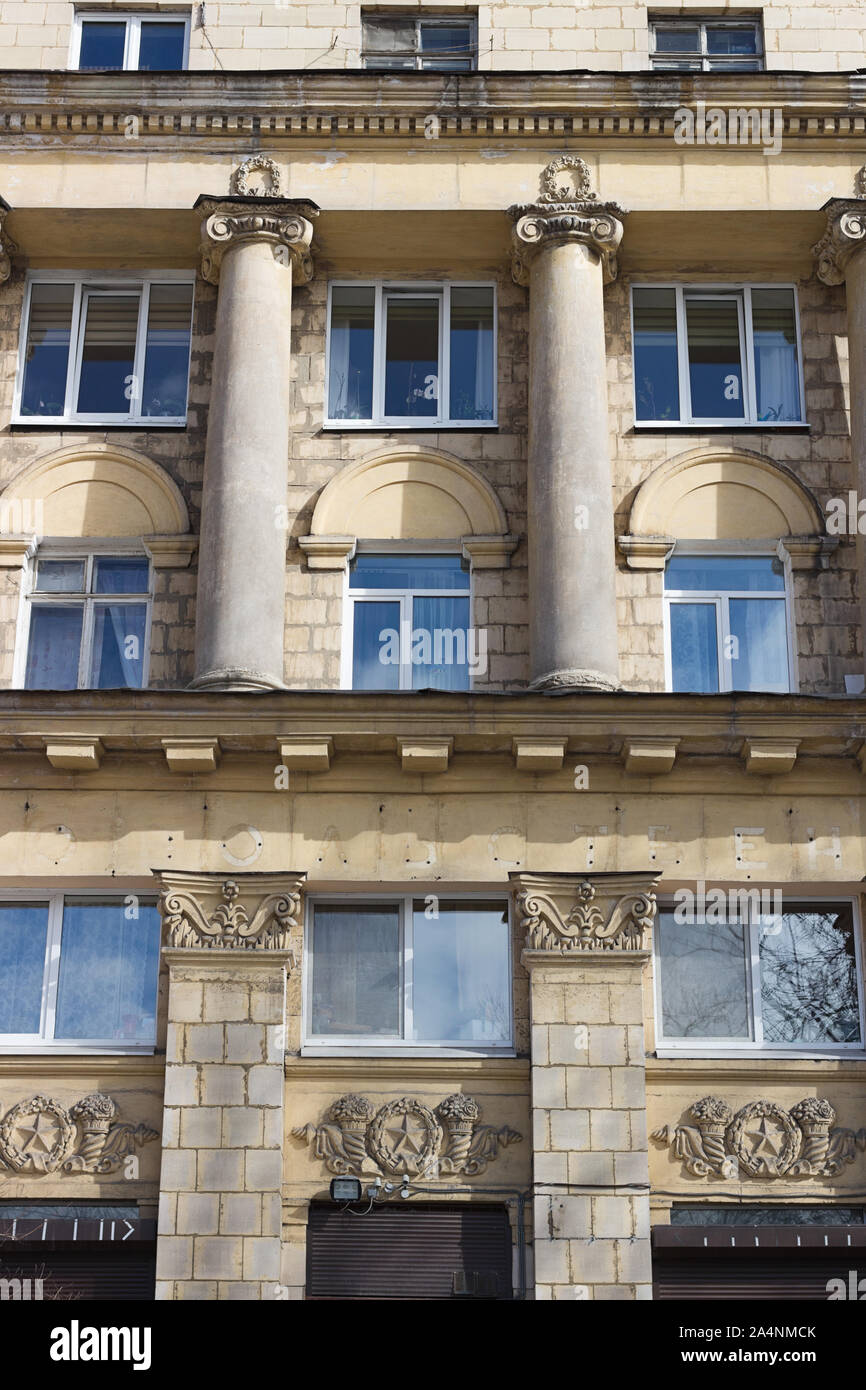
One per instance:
[(187, 755), (646, 552), (489, 552), (212, 911), (74, 752), (328, 552), (285, 223), (807, 552), (7, 245), (16, 551), (170, 552), (564, 913), (845, 235), (770, 757)]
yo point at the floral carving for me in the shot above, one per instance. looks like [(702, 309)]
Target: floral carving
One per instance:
[(40, 1136), (566, 210), (555, 192), (267, 186), (845, 235), (405, 1136), (230, 927), (7, 247), (585, 927), (762, 1140)]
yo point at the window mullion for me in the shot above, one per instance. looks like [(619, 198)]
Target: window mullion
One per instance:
[(407, 618), (724, 632), (683, 357), (52, 964), (757, 1021), (408, 970), (76, 330), (132, 43), (84, 654), (445, 354), (138, 366), (379, 340)]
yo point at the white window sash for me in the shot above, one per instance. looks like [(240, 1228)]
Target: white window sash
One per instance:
[(132, 37)]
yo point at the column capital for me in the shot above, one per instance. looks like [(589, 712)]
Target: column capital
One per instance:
[(213, 911), (565, 211), (7, 245), (845, 235), (609, 913), (285, 223)]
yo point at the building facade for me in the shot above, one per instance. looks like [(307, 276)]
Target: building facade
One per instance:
[(432, 444)]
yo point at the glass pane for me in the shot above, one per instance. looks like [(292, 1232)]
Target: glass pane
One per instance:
[(166, 361), (809, 975), (759, 656), (108, 355), (777, 373), (726, 39), (656, 372), (350, 388), (676, 64), (121, 574), (440, 643), (161, 47), (715, 369), (678, 39), (694, 647), (376, 646), (60, 576), (356, 971), (45, 365), (408, 572), (471, 354), (725, 573), (53, 647), (389, 64), (461, 954), (446, 64), (108, 968), (23, 937), (102, 44), (451, 40), (117, 660), (388, 36), (412, 357), (733, 65), (703, 978)]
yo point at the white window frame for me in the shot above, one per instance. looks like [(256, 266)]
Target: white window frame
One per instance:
[(741, 292), (430, 21), (709, 62), (45, 1041), (132, 44), (401, 596), (726, 1047), (86, 283), (88, 552), (720, 598), (333, 1046), (438, 289)]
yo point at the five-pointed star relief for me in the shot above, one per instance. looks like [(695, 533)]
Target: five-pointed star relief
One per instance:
[(407, 1134)]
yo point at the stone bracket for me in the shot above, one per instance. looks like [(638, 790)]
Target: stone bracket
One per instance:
[(649, 757), (74, 752), (191, 755), (328, 552), (305, 752), (538, 754), (420, 755), (770, 757), (646, 552)]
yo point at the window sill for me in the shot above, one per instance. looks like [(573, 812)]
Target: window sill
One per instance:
[(71, 1050), (425, 427), (754, 1054), (55, 424), (717, 427), (432, 1054)]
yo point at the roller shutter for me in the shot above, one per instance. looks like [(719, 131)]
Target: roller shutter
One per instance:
[(749, 1262)]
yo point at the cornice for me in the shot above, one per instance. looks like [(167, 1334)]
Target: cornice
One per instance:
[(356, 104)]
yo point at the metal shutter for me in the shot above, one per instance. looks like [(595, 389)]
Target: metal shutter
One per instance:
[(751, 1262), (415, 1252), (79, 1274)]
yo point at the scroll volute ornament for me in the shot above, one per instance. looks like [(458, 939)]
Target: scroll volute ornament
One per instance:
[(286, 226), (845, 234), (212, 911), (567, 209), (598, 912)]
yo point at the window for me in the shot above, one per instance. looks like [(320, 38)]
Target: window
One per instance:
[(411, 354), (706, 45), (402, 971), (716, 356), (144, 43), (408, 623), (88, 622), (444, 43), (79, 973), (736, 976), (105, 352), (727, 623)]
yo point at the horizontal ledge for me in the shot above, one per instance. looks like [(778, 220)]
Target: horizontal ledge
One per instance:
[(348, 1068)]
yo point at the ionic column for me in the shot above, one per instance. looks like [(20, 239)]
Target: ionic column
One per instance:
[(255, 251), (586, 949), (564, 249), (840, 259), (229, 948)]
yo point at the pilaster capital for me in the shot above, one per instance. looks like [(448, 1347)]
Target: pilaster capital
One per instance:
[(565, 211), (610, 913), (285, 223), (212, 911), (7, 245), (844, 237)]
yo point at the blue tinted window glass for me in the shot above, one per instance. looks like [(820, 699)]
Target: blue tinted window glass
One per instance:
[(715, 369), (350, 349), (105, 384), (777, 372), (356, 971), (656, 368), (161, 47), (704, 985), (47, 358), (694, 647), (118, 646), (60, 576), (408, 572), (440, 643), (102, 44), (471, 354), (121, 574), (412, 357), (166, 362), (23, 935), (759, 657), (376, 646), (725, 573), (108, 970), (53, 647), (461, 974)]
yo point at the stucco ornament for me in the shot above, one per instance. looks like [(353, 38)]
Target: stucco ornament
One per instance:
[(265, 180), (39, 1135), (844, 237), (618, 923), (229, 926), (7, 247), (406, 1136), (567, 209), (762, 1140), (226, 225)]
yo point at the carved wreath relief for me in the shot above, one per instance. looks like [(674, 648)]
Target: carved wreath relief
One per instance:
[(763, 1140), (257, 177), (40, 1136), (405, 1136)]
